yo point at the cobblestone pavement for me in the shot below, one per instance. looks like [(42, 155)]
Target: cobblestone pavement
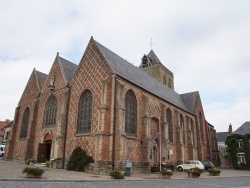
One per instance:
[(12, 171)]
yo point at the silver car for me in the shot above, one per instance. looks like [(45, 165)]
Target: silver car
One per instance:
[(190, 164)]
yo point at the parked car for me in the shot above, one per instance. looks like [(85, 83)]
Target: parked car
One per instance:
[(190, 164), (208, 164), (2, 150)]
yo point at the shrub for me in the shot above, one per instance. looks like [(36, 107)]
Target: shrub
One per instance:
[(35, 171), (214, 170), (28, 161), (116, 174), (165, 171), (195, 171), (79, 160), (47, 163)]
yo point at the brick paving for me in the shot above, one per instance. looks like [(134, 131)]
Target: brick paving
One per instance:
[(10, 170)]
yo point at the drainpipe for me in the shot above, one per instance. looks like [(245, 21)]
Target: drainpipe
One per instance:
[(66, 123), (114, 119)]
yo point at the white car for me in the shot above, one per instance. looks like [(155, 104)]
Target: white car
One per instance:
[(190, 164), (2, 150)]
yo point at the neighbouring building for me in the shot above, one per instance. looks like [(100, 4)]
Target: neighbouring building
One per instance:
[(7, 129), (113, 110), (221, 138), (238, 146), (2, 125)]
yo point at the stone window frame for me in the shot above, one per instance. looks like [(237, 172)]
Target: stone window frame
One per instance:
[(25, 123), (170, 125), (85, 112), (130, 113), (50, 111)]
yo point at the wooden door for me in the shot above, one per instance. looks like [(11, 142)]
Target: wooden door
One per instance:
[(42, 153)]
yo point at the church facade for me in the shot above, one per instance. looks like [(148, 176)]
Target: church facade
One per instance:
[(112, 109)]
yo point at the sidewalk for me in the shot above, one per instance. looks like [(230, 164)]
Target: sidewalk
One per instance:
[(12, 170)]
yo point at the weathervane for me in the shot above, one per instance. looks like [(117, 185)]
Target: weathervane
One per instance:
[(151, 44)]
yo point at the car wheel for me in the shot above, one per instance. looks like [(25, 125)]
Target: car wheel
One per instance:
[(179, 169)]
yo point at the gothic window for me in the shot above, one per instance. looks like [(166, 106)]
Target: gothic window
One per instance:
[(170, 125), (25, 123), (164, 80), (201, 126), (50, 112), (130, 112), (192, 131), (169, 83), (85, 112), (183, 129)]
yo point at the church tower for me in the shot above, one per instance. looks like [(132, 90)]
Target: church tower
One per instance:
[(153, 66)]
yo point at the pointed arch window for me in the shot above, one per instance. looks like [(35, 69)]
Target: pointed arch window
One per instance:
[(183, 129), (50, 112), (130, 112), (25, 123), (201, 127), (170, 125), (85, 112), (164, 80), (192, 131)]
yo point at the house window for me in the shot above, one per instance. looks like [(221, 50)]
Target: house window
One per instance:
[(50, 112), (25, 122), (241, 158), (130, 112), (85, 112), (240, 143)]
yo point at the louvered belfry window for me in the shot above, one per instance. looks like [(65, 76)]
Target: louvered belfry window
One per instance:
[(130, 113), (85, 112), (25, 123), (50, 112)]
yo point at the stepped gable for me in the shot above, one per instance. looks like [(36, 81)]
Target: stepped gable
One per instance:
[(68, 69), (140, 78), (243, 129), (190, 100)]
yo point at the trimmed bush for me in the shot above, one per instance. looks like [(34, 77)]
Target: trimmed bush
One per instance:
[(116, 174), (35, 171), (79, 160)]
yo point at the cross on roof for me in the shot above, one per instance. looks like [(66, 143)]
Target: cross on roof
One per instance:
[(151, 44)]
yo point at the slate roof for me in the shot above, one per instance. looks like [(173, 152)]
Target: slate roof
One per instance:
[(243, 129), (221, 136), (68, 69), (190, 100), (140, 78), (41, 78), (154, 59)]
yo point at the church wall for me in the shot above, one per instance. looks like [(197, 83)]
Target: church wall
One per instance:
[(202, 139), (56, 131), (93, 74), (134, 146), (29, 95)]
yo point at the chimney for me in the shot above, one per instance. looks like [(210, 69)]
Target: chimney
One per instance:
[(230, 129)]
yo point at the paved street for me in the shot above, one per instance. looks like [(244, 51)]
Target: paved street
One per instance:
[(169, 183), (11, 176)]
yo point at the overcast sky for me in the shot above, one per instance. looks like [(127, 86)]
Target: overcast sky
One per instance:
[(206, 44)]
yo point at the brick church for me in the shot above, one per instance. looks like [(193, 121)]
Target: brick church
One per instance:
[(112, 109)]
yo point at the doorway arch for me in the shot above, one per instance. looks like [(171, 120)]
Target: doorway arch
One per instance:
[(44, 148)]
